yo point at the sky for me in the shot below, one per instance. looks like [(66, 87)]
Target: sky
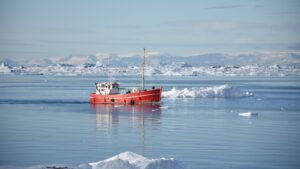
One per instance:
[(35, 29)]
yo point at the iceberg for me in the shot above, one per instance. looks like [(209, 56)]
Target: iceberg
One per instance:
[(223, 91), (4, 69), (130, 160)]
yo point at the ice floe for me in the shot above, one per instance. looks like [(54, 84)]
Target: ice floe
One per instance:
[(222, 91), (4, 69), (130, 160), (248, 114)]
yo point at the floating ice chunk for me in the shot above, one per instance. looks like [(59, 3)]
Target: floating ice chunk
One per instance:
[(223, 91), (124, 160), (129, 160), (4, 69), (248, 114)]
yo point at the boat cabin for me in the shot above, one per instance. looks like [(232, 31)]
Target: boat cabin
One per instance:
[(107, 88)]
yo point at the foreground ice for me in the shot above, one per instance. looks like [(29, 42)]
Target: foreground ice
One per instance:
[(126, 160), (129, 160), (223, 91)]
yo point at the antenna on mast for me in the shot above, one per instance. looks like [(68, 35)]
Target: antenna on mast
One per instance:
[(143, 70), (108, 69)]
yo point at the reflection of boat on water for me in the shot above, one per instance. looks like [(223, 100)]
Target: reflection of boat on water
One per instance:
[(108, 115), (114, 118)]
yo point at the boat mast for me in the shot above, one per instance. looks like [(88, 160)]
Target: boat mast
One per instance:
[(143, 70)]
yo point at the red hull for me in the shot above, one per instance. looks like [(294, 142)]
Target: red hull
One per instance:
[(148, 96)]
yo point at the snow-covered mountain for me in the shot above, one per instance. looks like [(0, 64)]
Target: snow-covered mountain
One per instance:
[(158, 58), (216, 64)]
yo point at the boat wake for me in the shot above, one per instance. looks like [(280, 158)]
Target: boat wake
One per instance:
[(17, 101), (223, 91), (126, 160)]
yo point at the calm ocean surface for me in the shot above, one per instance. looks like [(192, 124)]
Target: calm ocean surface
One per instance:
[(48, 120)]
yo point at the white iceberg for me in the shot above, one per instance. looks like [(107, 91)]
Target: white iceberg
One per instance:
[(223, 91), (130, 160), (4, 69)]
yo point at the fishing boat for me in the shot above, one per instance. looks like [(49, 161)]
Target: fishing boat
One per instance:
[(111, 93)]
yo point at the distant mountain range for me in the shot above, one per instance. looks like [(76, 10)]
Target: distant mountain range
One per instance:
[(158, 58)]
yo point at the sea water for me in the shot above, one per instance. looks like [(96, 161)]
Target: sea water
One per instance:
[(204, 122)]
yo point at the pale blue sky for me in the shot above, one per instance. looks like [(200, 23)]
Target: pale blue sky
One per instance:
[(57, 28)]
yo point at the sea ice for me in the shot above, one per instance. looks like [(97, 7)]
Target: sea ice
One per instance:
[(73, 66)]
